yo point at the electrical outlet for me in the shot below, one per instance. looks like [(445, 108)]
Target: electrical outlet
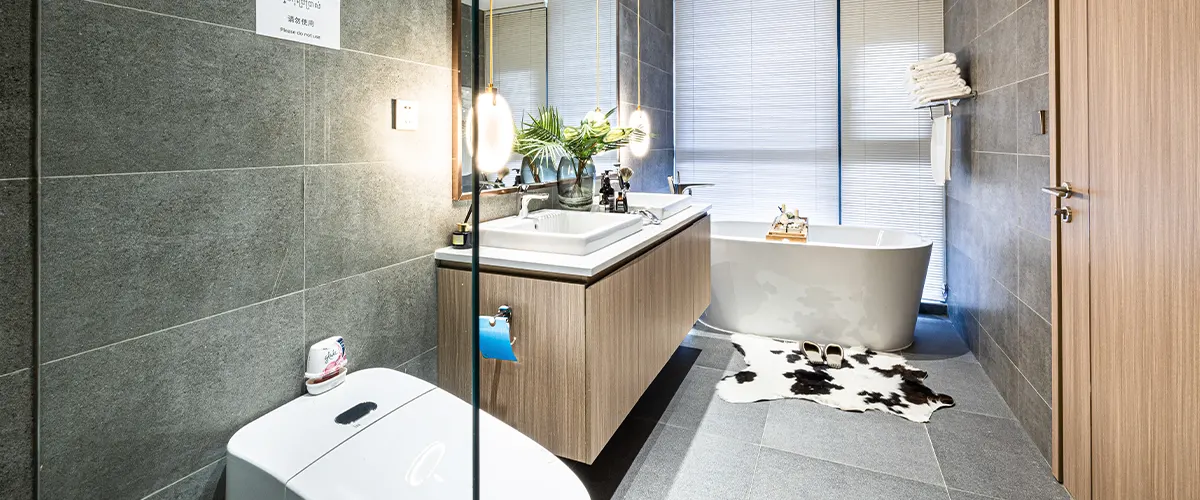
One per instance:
[(404, 115)]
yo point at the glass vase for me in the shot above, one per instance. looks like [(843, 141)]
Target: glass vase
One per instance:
[(576, 183)]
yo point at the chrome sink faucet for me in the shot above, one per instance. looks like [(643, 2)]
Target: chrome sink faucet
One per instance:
[(526, 198)]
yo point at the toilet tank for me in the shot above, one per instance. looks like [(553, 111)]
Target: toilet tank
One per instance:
[(269, 452)]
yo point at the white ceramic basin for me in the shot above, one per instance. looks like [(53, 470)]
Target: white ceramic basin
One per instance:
[(559, 231), (662, 205)]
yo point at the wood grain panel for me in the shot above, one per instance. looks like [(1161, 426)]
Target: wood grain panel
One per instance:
[(1072, 397), (1144, 143), (543, 393), (636, 318), (702, 272), (1055, 263)]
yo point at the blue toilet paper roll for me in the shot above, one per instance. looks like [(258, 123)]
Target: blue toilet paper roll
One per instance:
[(495, 340)]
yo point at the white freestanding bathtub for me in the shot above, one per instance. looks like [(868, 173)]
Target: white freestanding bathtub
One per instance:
[(847, 285)]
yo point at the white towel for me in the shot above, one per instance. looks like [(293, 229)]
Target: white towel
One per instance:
[(943, 72), (944, 59), (915, 87), (939, 150), (927, 97)]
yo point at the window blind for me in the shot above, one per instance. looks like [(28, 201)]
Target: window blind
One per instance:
[(886, 180), (756, 105), (572, 62), (520, 64)]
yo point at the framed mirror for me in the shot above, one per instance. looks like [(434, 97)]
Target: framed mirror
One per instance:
[(546, 53)]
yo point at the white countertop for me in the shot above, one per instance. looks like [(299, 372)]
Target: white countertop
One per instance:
[(575, 265)]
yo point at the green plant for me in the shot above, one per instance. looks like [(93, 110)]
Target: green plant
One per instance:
[(543, 136)]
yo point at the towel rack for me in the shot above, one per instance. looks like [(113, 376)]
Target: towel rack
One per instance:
[(948, 104)]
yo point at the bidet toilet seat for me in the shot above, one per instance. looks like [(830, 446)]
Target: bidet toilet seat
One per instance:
[(385, 434)]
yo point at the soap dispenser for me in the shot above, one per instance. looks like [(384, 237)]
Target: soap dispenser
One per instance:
[(606, 191)]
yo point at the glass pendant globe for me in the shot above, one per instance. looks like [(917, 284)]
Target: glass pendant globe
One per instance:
[(496, 131), (640, 120), (595, 116)]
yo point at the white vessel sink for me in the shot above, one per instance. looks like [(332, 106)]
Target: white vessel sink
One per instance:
[(662, 205), (559, 231)]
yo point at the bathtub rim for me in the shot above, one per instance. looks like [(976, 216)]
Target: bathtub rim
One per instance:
[(924, 242)]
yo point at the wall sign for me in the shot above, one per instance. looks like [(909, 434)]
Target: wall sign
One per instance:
[(316, 22)]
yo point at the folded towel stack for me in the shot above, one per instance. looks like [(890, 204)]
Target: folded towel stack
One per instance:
[(936, 78)]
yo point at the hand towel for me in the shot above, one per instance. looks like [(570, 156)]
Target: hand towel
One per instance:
[(944, 72), (927, 97), (939, 150), (944, 59), (935, 84)]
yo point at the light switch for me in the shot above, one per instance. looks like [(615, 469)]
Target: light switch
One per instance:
[(404, 115)]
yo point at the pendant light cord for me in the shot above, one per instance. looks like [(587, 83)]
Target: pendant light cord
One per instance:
[(639, 53), (598, 54), (491, 56)]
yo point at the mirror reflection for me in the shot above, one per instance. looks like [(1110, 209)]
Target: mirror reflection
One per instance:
[(552, 55)]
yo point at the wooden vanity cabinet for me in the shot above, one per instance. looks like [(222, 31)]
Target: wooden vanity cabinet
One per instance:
[(587, 348)]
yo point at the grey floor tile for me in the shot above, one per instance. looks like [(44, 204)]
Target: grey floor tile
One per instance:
[(16, 273), (966, 382), (966, 495), (716, 351), (935, 338), (783, 476), (682, 464), (991, 456), (697, 406), (869, 440)]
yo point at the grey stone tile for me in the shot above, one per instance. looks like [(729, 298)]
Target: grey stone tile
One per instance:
[(935, 339), (680, 464), (127, 255), (15, 99), (1034, 356), (961, 26), (971, 330), (168, 403), (993, 64), (1002, 257), (358, 92), (651, 172), (990, 12), (785, 476), (961, 184), (697, 406), (1034, 287), (315, 61), (657, 46), (715, 352), (387, 317), (998, 367), (964, 495), (16, 273), (120, 86), (657, 85), (818, 431), (1034, 206), (234, 13), (991, 456), (659, 13), (1034, 415), (363, 217), (994, 124), (16, 436), (995, 180), (200, 485), (662, 125), (966, 382), (423, 366), (1032, 42), (414, 30), (1000, 317), (1033, 95)]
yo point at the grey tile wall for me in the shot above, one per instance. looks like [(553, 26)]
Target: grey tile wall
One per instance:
[(16, 251), (998, 222), (657, 86), (213, 201)]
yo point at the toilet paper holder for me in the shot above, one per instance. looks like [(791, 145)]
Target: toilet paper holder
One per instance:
[(502, 312)]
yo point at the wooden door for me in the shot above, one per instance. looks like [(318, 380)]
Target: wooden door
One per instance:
[(1133, 87)]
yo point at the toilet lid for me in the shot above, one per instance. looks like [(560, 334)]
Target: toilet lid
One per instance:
[(422, 450)]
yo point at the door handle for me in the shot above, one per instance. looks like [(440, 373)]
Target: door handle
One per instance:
[(1064, 214), (1063, 191)]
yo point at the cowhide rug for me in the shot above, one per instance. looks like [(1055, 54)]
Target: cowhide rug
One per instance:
[(867, 380)]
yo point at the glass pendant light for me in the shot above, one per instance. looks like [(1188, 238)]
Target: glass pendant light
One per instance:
[(639, 119), (596, 116), (496, 129)]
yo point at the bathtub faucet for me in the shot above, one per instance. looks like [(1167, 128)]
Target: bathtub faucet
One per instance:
[(684, 187)]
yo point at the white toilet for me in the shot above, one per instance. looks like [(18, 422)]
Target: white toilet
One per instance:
[(383, 434)]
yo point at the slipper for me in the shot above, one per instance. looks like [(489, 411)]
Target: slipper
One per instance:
[(812, 351), (833, 355)]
